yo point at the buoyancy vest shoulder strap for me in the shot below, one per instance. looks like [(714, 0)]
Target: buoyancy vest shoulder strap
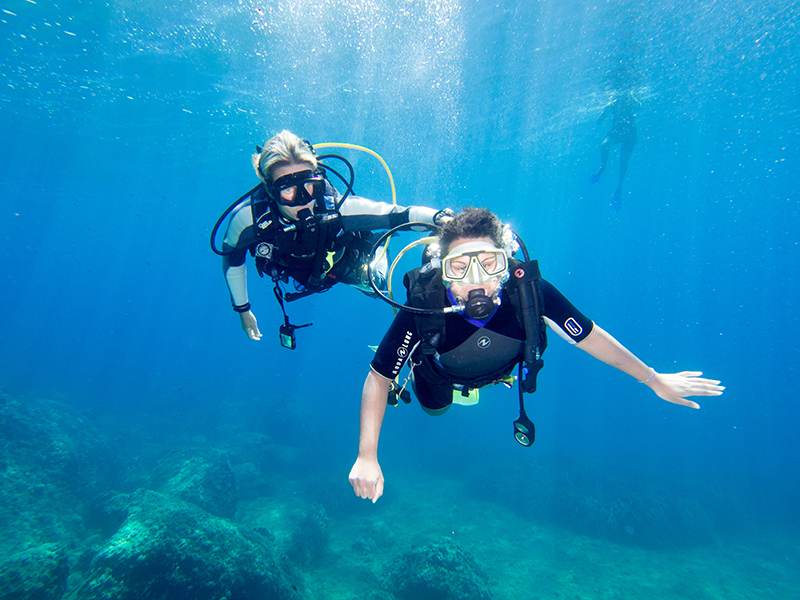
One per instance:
[(426, 290), (525, 290), (259, 208)]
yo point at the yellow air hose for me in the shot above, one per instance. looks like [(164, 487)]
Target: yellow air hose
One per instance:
[(368, 151), (426, 240), (385, 248)]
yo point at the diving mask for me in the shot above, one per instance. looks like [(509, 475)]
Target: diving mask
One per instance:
[(475, 263), (298, 189)]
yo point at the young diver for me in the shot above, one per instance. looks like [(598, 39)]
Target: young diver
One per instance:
[(297, 225), (477, 317)]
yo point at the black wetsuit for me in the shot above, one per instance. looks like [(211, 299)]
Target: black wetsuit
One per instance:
[(468, 352)]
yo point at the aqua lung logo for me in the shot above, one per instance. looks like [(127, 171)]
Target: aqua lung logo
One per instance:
[(265, 224), (573, 328), (264, 250), (484, 342), (402, 353)]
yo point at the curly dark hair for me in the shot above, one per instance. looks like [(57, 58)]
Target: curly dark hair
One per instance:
[(471, 223)]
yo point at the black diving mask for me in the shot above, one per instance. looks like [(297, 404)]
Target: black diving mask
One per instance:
[(298, 189)]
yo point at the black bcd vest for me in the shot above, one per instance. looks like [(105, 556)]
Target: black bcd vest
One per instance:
[(426, 290), (300, 254)]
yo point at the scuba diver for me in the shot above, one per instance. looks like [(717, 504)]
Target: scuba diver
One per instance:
[(623, 131), (297, 226), (470, 319)]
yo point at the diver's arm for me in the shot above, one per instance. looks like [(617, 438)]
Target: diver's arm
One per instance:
[(234, 270), (366, 476), (236, 279), (362, 214), (672, 387), (233, 259)]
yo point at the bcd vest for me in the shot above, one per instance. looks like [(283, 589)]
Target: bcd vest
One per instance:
[(311, 257), (493, 354)]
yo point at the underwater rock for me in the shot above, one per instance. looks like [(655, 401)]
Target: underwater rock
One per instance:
[(382, 535), (52, 463), (441, 570), (168, 548), (364, 547), (309, 540), (55, 442), (622, 505), (38, 573), (107, 512), (204, 478), (251, 482), (375, 540), (267, 455), (298, 527)]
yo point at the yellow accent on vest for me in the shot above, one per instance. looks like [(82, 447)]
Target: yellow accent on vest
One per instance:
[(329, 261), (470, 400)]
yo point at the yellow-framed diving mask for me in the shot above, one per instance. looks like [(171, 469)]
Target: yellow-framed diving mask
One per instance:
[(475, 263)]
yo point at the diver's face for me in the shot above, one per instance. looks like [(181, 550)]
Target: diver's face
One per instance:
[(290, 212), (461, 290)]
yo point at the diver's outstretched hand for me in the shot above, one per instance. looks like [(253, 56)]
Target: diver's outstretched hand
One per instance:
[(250, 325), (366, 478), (674, 387)]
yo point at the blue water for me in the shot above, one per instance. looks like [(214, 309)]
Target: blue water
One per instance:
[(127, 128)]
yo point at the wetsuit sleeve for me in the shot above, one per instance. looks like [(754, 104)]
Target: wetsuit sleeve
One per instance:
[(361, 214), (233, 264), (396, 346), (562, 317)]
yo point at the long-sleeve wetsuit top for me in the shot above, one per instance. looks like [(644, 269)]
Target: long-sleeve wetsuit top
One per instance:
[(402, 337), (357, 214)]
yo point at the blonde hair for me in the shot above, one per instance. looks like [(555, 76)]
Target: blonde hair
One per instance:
[(283, 148)]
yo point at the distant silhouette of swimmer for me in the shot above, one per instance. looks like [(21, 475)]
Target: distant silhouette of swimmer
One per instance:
[(623, 131)]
